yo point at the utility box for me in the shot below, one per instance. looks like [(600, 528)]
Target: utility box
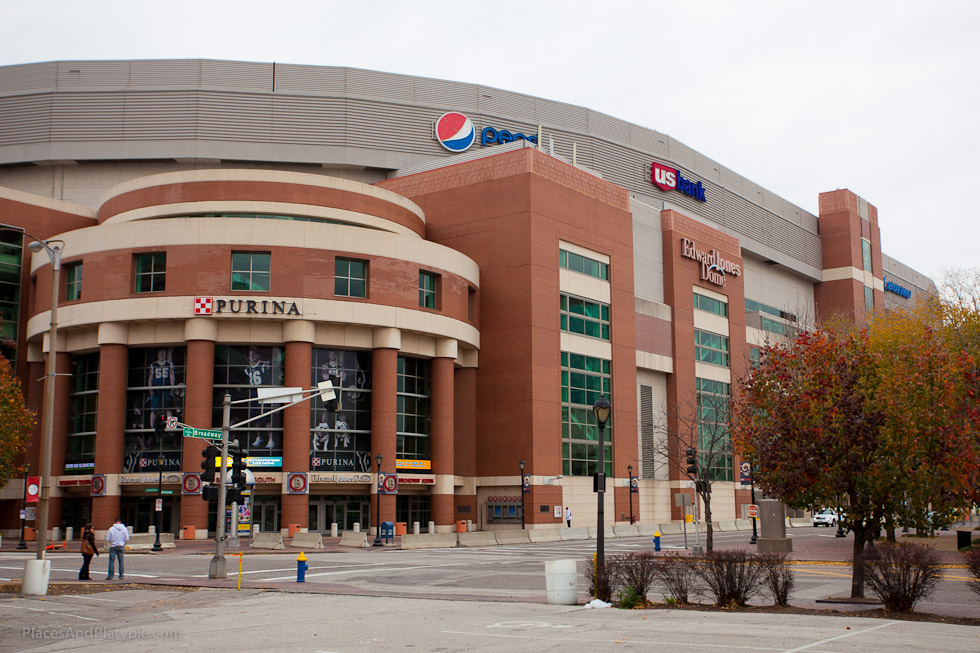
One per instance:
[(772, 536)]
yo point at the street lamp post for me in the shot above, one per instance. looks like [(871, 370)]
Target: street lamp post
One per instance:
[(22, 545), (35, 577), (377, 522), (523, 522), (629, 469), (755, 534), (601, 410), (160, 461)]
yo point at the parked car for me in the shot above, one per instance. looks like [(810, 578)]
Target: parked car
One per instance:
[(827, 517)]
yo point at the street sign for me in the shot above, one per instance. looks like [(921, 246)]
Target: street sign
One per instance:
[(753, 510), (171, 422), (159, 505), (154, 490), (205, 434)]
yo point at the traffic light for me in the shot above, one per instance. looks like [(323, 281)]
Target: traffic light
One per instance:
[(238, 467), (692, 461), (209, 453), (160, 427), (209, 493), (233, 495)]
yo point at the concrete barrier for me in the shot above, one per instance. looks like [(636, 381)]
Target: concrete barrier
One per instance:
[(267, 541), (354, 538), (479, 538), (743, 524), (800, 523), (594, 532), (513, 537), (544, 535), (429, 541), (626, 531), (569, 534), (647, 530), (145, 541), (671, 528), (725, 526), (307, 541)]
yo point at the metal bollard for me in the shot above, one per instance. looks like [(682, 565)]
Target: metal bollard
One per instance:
[(301, 568), (656, 541)]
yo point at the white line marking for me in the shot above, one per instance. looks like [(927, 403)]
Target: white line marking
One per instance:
[(831, 639), (63, 614), (90, 598), (660, 644)]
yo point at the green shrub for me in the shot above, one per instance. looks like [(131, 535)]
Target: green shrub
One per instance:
[(902, 575)]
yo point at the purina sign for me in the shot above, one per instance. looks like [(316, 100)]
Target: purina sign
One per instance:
[(230, 306)]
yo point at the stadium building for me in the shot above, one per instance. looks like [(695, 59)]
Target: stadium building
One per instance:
[(470, 267)]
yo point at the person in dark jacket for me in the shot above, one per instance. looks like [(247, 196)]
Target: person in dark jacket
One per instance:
[(89, 549)]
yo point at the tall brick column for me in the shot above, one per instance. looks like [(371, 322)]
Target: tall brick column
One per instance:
[(110, 420), (200, 334), (384, 411), (296, 419), (442, 404)]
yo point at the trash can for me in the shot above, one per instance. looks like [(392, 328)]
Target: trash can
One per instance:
[(293, 529), (30, 534), (963, 539), (461, 526), (561, 582), (188, 532), (401, 528)]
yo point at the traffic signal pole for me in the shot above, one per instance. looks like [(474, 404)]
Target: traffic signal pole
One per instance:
[(219, 567)]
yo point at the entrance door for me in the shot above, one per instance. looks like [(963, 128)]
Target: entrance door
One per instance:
[(264, 514), (325, 511)]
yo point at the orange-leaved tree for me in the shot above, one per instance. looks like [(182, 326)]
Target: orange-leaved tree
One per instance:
[(16, 422)]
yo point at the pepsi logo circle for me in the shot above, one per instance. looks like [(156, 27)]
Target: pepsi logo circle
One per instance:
[(455, 132)]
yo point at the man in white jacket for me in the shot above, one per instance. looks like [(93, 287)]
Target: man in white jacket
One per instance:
[(117, 536)]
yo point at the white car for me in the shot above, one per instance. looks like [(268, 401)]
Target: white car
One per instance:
[(826, 517)]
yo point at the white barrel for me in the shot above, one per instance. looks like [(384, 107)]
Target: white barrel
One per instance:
[(415, 528), (432, 527), (333, 529), (36, 575), (561, 582)]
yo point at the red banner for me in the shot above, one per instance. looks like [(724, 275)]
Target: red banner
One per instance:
[(33, 489)]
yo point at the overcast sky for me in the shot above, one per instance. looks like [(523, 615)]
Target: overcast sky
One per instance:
[(799, 96)]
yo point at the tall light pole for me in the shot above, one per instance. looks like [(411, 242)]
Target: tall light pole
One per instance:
[(601, 410), (35, 578), (159, 507), (523, 522), (22, 545), (377, 523), (629, 470)]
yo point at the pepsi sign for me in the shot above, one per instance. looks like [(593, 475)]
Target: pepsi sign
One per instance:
[(492, 136), (455, 132), (667, 178)]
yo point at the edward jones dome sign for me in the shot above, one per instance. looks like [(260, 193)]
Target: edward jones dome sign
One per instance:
[(714, 268)]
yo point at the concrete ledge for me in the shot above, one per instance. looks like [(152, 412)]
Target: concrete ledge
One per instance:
[(479, 538), (544, 535), (626, 531), (671, 528), (267, 541), (647, 530), (725, 526), (145, 541), (429, 541), (569, 534), (307, 541), (800, 523), (513, 537), (774, 545), (350, 538), (743, 524), (607, 531)]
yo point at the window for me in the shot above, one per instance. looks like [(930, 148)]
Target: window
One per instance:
[(73, 275), (11, 260), (471, 305), (710, 348), (83, 406), (869, 298), (350, 278), (250, 271), (578, 263), (414, 417), (710, 305), (340, 430), (714, 438), (752, 306), (772, 326), (154, 390), (151, 272), (584, 317), (427, 289), (755, 356), (239, 370), (866, 254), (583, 380)]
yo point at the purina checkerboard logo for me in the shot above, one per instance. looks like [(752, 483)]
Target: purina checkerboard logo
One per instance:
[(202, 305), (455, 132)]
